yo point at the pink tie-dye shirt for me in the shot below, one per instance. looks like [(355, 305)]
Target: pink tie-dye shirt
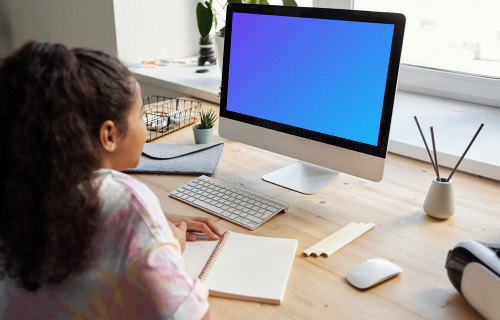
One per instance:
[(137, 273)]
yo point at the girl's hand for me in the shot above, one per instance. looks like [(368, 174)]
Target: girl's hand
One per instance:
[(200, 224), (179, 230)]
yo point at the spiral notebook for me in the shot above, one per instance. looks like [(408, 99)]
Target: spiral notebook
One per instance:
[(242, 266)]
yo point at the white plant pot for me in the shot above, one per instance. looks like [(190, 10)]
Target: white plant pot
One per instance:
[(219, 50), (202, 136)]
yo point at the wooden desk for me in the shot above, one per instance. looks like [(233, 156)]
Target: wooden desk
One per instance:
[(317, 288)]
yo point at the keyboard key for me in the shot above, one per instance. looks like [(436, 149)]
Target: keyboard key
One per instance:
[(208, 206), (238, 219), (233, 216), (252, 212), (266, 215), (254, 219)]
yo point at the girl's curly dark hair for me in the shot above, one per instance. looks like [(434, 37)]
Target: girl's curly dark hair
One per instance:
[(52, 103)]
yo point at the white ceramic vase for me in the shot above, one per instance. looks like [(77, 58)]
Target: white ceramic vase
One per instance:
[(440, 201)]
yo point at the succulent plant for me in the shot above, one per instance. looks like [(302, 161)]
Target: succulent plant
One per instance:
[(207, 119)]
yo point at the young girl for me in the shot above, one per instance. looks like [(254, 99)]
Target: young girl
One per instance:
[(78, 238)]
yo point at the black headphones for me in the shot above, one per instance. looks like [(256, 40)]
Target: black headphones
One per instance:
[(474, 269)]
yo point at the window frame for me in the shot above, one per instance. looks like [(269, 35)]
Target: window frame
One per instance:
[(449, 84)]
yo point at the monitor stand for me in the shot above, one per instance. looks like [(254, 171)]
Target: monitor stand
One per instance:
[(302, 177)]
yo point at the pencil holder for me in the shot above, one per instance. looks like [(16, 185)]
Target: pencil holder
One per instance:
[(440, 201)]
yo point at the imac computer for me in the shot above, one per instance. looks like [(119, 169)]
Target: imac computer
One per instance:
[(313, 84)]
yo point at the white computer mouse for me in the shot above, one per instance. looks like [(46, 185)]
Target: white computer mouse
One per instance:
[(371, 272)]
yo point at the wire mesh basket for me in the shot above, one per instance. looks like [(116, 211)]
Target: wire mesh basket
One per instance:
[(164, 115)]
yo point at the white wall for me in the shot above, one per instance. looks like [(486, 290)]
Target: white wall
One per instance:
[(71, 22), (156, 29), (335, 4), (135, 30)]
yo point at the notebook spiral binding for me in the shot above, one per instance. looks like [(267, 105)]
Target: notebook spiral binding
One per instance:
[(213, 257)]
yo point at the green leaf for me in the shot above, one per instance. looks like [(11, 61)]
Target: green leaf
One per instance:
[(290, 3), (207, 119), (205, 18), (222, 32)]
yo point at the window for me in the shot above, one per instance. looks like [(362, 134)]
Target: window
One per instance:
[(461, 36), (450, 46)]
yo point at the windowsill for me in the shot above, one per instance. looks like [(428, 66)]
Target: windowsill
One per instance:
[(454, 122), (183, 79)]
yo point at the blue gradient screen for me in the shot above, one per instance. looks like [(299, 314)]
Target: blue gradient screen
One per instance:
[(327, 76)]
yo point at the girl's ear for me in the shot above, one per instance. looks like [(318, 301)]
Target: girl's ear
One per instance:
[(108, 135)]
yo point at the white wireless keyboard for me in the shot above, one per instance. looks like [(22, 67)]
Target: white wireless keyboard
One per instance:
[(228, 202)]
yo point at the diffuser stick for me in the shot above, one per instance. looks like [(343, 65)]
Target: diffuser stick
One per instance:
[(463, 155), (435, 154), (426, 147)]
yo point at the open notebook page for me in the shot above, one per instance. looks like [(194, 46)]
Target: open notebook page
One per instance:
[(248, 267), (197, 253)]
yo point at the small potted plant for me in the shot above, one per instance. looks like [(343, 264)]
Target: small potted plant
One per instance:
[(203, 131)]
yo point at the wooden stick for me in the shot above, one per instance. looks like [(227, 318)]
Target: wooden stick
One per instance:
[(426, 147), (338, 239), (314, 249), (335, 237), (334, 247), (435, 154), (463, 155)]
